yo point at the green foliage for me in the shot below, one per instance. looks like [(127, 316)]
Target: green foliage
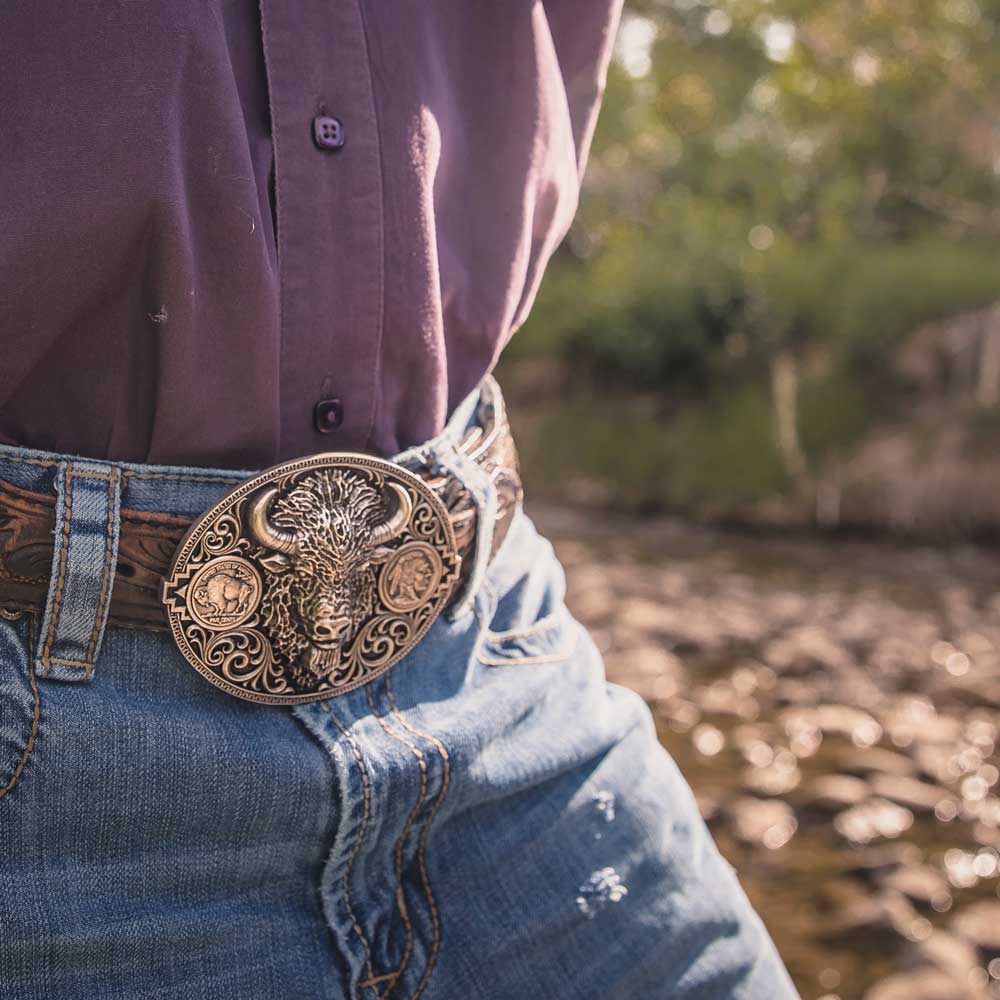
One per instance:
[(681, 328), (835, 411), (723, 452), (894, 290), (819, 178), (713, 457), (770, 173)]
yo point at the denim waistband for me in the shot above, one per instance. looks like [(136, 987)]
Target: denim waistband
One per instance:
[(90, 494)]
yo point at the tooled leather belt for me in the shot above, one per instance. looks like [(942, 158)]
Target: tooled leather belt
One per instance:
[(301, 583)]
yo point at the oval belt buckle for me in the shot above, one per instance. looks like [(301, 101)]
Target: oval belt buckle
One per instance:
[(312, 578)]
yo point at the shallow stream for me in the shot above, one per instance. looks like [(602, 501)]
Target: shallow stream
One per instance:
[(836, 707)]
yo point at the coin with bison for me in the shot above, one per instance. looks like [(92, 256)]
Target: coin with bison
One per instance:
[(224, 593), (312, 578)]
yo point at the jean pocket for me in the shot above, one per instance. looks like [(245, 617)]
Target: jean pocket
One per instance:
[(548, 640), (19, 701)]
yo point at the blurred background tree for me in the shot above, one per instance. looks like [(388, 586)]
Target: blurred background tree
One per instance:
[(780, 281)]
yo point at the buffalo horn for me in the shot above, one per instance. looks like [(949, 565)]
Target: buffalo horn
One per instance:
[(263, 532), (391, 527)]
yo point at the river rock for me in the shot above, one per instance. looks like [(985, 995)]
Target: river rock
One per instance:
[(682, 628), (871, 820), (948, 952), (594, 605), (770, 780), (916, 795), (980, 924), (878, 859), (918, 882), (920, 984), (854, 723), (836, 791), (876, 760), (769, 822), (651, 671), (885, 911), (913, 719), (804, 649)]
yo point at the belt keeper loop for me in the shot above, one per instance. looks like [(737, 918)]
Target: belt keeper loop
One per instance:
[(85, 553), (484, 495)]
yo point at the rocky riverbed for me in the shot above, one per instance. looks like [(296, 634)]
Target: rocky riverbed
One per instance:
[(836, 707)]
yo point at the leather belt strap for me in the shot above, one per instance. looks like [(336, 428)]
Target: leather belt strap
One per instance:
[(148, 541)]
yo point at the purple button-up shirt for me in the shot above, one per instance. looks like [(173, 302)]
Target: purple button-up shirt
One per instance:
[(217, 217)]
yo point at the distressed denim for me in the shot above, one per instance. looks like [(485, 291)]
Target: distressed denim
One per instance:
[(489, 819)]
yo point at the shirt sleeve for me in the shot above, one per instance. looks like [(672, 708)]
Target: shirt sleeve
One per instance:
[(583, 33)]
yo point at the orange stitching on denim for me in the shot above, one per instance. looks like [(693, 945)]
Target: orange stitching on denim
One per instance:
[(36, 712), (496, 640), (77, 664), (149, 517), (61, 579), (525, 661), (357, 845), (375, 980), (28, 461), (17, 578), (400, 892), (84, 474), (102, 599), (422, 848), (546, 624)]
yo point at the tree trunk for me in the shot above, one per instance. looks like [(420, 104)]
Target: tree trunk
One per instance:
[(988, 382), (785, 399)]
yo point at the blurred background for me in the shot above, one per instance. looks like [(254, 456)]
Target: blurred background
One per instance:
[(758, 404)]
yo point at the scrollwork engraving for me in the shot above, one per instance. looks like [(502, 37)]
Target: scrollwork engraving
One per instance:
[(312, 578)]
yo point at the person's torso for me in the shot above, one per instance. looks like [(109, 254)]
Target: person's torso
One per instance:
[(190, 262)]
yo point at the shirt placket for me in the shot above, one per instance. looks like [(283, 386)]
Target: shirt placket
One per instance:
[(329, 206)]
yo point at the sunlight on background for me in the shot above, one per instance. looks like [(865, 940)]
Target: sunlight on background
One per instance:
[(784, 269), (759, 397)]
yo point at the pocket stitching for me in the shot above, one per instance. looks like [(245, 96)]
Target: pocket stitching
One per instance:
[(36, 712), (543, 626), (514, 661)]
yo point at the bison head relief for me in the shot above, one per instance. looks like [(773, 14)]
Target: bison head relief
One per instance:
[(323, 540), (313, 577)]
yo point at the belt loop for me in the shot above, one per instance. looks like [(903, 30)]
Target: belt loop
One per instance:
[(88, 499), (484, 494)]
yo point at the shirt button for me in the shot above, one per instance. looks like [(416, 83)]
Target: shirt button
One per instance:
[(328, 133), (328, 415)]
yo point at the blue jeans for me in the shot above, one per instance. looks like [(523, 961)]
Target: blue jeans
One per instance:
[(490, 819)]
